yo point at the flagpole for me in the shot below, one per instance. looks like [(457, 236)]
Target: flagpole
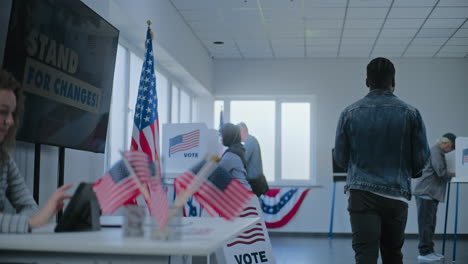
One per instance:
[(132, 174)]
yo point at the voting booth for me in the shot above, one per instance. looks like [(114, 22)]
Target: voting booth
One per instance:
[(183, 146), (461, 160)]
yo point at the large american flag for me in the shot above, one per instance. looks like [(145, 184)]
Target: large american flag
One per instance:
[(145, 135), (184, 142), (220, 194), (116, 188)]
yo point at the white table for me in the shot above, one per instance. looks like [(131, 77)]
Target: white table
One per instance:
[(200, 237)]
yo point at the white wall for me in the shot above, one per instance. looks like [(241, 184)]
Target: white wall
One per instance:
[(437, 87)]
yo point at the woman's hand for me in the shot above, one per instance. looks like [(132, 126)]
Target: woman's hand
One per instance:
[(54, 204)]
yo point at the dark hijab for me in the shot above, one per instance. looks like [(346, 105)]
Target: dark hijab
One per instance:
[(232, 139)]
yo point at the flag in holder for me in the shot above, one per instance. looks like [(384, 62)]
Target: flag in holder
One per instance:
[(216, 190)]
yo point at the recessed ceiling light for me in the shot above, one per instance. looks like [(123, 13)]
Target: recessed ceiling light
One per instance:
[(218, 42)]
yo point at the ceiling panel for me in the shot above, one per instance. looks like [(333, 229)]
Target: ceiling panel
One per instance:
[(200, 15), (325, 3), (190, 4), (290, 28), (258, 54), (458, 41), (280, 4), (393, 41), (450, 12), (414, 3), (357, 49), (325, 49), (409, 12), (367, 3), (451, 55), (355, 54), (324, 23), (421, 54), (313, 54), (358, 41), (364, 13), (322, 41), (324, 33), (455, 49), (324, 13), (413, 49), (273, 33), (404, 23), (389, 49), (364, 23), (289, 53), (360, 33), (453, 3), (436, 32), (294, 42), (429, 41), (461, 33), (444, 23), (398, 33)]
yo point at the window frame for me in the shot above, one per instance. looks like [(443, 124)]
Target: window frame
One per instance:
[(311, 99)]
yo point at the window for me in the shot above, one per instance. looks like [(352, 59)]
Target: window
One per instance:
[(185, 108), (194, 110), (136, 64), (259, 116), (161, 90), (116, 128), (218, 107), (295, 141), (284, 129), (175, 105)]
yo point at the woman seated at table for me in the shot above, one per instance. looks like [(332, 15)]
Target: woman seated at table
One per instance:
[(13, 187)]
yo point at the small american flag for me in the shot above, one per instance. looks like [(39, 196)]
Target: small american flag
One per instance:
[(144, 169), (220, 194), (465, 156), (159, 205), (184, 142), (141, 165), (116, 188)]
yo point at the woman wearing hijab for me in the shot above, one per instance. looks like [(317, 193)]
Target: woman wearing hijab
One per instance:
[(233, 159)]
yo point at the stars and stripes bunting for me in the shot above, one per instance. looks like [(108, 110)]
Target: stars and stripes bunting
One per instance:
[(280, 205)]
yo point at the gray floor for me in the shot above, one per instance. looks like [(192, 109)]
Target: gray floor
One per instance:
[(318, 249)]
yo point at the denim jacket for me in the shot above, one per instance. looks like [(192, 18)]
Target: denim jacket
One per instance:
[(381, 140)]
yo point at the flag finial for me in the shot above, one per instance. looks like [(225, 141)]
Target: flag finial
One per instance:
[(148, 22)]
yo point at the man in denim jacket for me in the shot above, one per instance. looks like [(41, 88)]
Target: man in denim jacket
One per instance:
[(381, 140)]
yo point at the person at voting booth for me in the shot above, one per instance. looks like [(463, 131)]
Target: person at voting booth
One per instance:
[(253, 158), (13, 187), (233, 159), (429, 190)]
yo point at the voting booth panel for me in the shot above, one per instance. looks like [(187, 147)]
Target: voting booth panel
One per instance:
[(184, 145), (461, 160)]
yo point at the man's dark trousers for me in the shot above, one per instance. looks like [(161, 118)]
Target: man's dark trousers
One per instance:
[(377, 222), (427, 216)]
